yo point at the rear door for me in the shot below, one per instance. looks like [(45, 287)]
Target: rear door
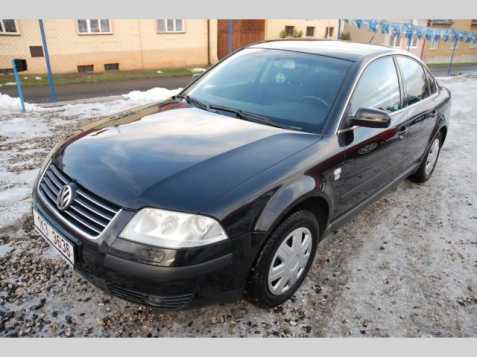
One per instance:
[(372, 156), (419, 108)]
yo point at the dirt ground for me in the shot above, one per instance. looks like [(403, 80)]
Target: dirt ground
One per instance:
[(406, 266)]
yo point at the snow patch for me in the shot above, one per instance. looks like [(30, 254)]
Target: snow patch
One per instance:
[(197, 70), (151, 95), (4, 250), (20, 128), (12, 105)]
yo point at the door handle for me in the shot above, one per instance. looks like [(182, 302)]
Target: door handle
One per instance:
[(403, 131)]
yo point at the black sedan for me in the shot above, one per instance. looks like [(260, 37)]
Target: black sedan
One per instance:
[(227, 189)]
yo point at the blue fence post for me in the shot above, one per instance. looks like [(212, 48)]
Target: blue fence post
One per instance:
[(230, 36), (19, 86), (51, 82)]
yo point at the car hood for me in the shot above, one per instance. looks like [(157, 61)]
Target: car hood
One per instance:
[(181, 159)]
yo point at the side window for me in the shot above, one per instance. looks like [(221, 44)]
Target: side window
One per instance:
[(378, 87), (414, 78)]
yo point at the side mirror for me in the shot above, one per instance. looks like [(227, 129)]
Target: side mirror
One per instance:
[(196, 76), (371, 118)]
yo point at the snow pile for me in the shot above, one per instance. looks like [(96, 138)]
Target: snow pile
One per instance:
[(105, 107), (197, 70), (89, 109), (11, 105), (151, 95)]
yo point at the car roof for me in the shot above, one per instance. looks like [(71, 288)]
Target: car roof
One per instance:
[(351, 51)]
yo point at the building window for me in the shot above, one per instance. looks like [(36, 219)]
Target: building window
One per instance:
[(442, 22), (111, 67), (170, 26), (310, 31), (472, 44), (395, 41), (413, 43), (8, 27), (36, 51), (434, 44), (94, 26), (329, 31), (289, 30), (86, 68)]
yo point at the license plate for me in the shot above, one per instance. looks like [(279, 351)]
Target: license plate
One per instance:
[(63, 246)]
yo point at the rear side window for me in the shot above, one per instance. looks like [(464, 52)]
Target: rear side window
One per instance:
[(415, 81), (378, 87)]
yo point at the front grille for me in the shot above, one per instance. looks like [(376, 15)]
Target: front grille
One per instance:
[(88, 213), (172, 302)]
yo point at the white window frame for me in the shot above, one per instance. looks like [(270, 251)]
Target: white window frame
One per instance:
[(88, 27), (392, 41), (173, 25), (413, 42), (3, 33)]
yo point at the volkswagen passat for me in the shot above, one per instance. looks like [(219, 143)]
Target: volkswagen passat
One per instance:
[(227, 188)]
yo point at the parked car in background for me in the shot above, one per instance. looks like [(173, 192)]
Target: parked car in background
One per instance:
[(229, 187)]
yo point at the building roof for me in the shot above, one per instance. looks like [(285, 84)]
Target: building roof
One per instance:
[(340, 49)]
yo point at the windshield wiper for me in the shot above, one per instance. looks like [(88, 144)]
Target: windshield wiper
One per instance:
[(257, 118), (192, 101)]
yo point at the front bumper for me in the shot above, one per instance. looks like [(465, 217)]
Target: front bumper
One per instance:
[(178, 279)]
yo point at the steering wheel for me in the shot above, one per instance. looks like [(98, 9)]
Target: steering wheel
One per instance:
[(312, 98)]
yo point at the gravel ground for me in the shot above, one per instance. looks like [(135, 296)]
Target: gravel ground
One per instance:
[(407, 266)]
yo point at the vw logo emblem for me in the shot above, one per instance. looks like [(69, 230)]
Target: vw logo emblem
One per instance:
[(65, 197)]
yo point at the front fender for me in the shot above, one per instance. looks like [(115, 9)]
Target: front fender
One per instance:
[(285, 199)]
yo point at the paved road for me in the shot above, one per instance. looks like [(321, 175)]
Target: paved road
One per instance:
[(99, 89), (102, 89)]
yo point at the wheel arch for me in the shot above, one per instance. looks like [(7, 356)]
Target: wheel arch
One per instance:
[(443, 132), (303, 193)]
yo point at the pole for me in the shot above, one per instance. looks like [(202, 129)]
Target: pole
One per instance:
[(449, 70), (51, 82), (230, 36), (19, 86)]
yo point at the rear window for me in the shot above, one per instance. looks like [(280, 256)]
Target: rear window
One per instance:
[(290, 88)]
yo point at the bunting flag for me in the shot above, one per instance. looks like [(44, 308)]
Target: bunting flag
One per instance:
[(409, 31)]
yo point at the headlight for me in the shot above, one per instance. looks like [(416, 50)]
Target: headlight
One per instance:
[(169, 229)]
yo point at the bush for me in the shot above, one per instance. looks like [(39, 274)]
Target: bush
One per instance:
[(296, 33), (345, 36)]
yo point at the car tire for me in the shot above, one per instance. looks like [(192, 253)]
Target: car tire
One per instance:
[(428, 165), (262, 290)]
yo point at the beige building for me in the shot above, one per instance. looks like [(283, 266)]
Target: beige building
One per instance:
[(364, 35), (96, 45), (429, 51), (440, 52)]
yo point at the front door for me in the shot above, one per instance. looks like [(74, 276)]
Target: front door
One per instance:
[(372, 156)]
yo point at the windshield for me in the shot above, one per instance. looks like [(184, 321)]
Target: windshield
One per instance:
[(288, 89)]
